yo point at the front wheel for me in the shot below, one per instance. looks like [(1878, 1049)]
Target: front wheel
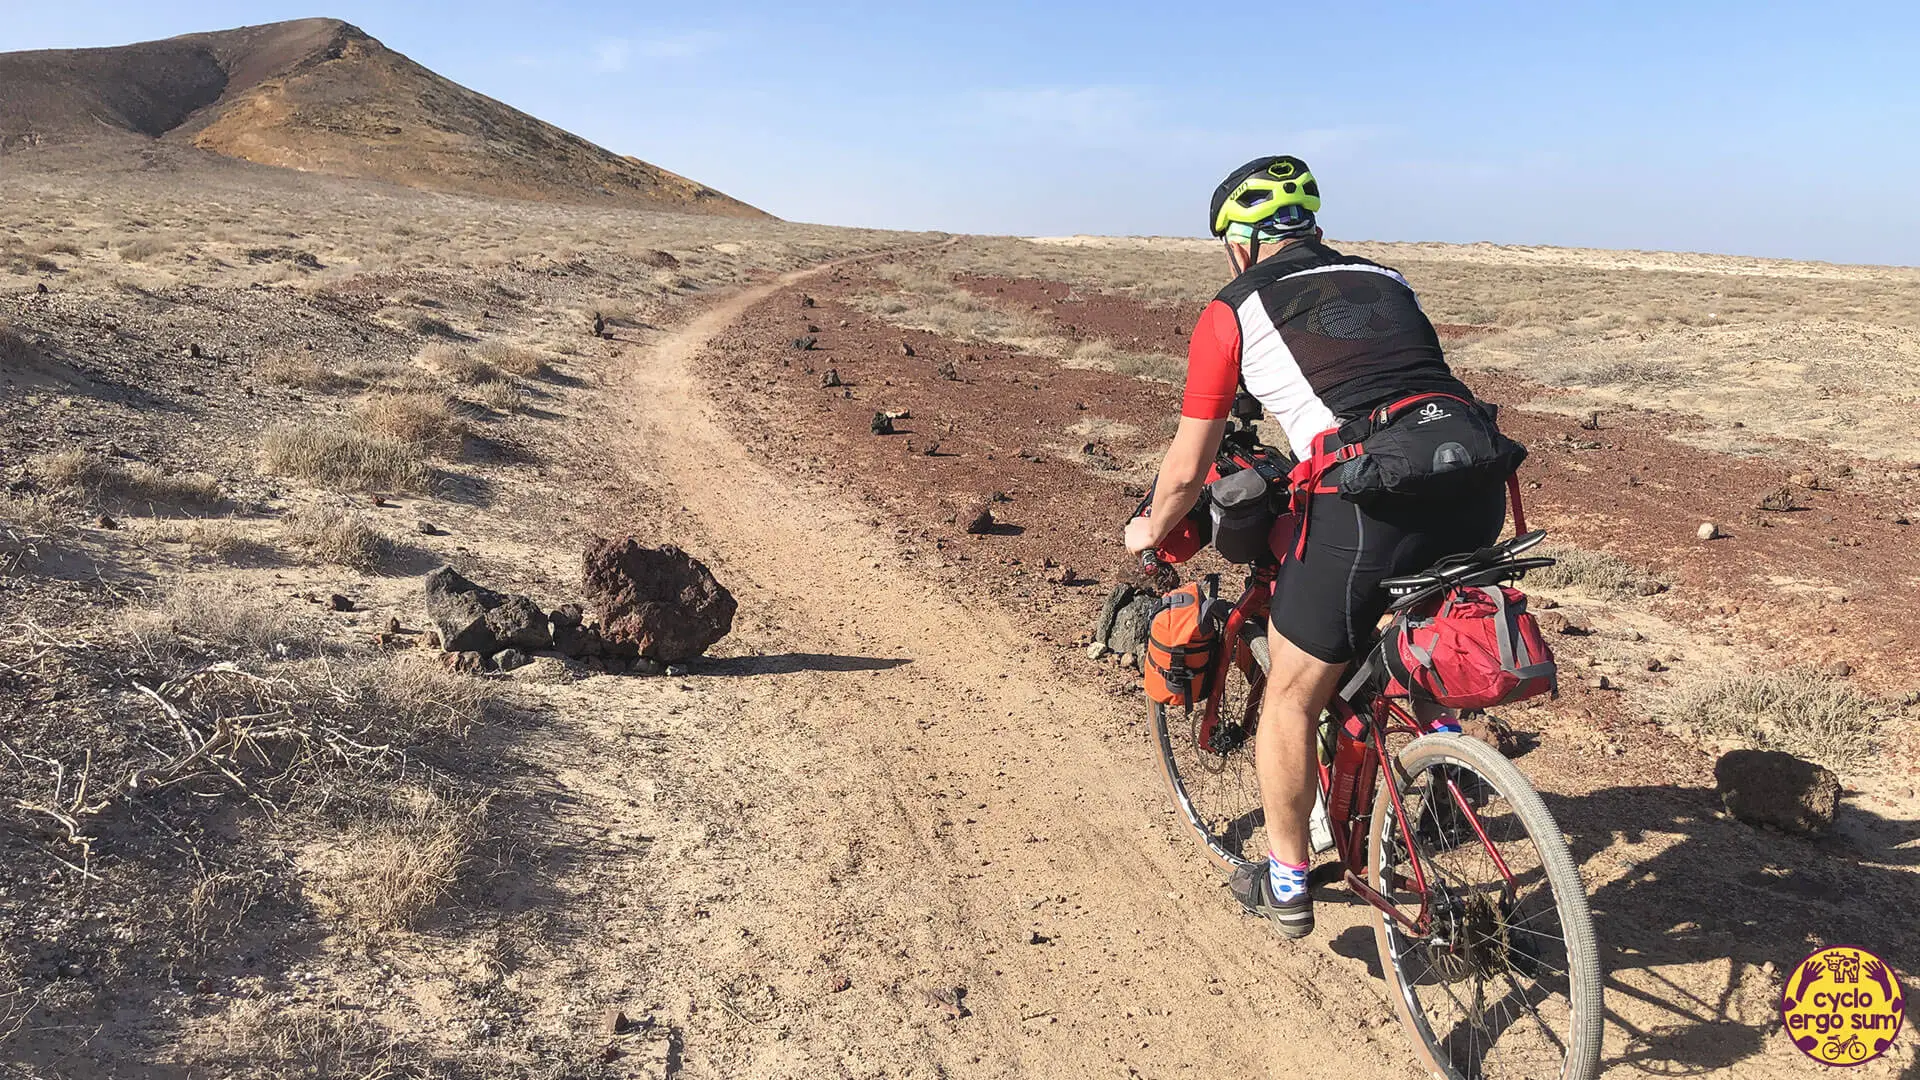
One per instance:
[(1506, 985), (1214, 788)]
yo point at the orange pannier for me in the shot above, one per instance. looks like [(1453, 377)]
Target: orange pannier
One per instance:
[(1182, 642)]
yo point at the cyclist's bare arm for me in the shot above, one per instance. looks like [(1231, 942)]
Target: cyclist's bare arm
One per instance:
[(1182, 474)]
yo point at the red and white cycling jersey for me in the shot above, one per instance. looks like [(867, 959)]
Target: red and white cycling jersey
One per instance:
[(1319, 337)]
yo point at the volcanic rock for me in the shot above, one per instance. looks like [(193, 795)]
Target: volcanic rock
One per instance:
[(517, 623), (661, 602), (1767, 787), (458, 610), (979, 519)]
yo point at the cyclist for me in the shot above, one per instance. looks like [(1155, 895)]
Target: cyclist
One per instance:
[(1320, 338)]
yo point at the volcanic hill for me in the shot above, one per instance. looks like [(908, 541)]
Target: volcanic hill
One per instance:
[(320, 95)]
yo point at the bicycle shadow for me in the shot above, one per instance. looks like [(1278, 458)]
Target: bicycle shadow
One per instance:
[(1695, 906), (1700, 918)]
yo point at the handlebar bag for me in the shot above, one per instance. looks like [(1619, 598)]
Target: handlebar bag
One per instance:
[(1245, 504), (1473, 648), (1182, 641)]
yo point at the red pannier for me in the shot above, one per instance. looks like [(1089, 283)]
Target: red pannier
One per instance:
[(1473, 648)]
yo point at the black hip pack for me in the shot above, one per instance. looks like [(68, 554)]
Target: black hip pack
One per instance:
[(1431, 445), (1427, 445)]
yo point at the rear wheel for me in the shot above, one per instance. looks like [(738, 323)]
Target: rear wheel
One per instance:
[(1507, 984), (1214, 787)]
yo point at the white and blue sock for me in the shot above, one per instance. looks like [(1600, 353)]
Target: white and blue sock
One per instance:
[(1287, 880)]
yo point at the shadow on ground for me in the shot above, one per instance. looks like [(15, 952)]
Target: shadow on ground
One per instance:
[(789, 663)]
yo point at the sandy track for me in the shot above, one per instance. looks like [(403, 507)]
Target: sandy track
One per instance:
[(897, 797)]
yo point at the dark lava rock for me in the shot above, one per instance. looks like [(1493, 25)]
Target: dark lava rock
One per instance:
[(882, 424), (1766, 787), (509, 659), (458, 610), (336, 602), (518, 623), (979, 519), (661, 602)]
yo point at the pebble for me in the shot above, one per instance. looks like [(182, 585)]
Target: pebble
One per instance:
[(1599, 682), (1708, 531), (1096, 650), (336, 602)]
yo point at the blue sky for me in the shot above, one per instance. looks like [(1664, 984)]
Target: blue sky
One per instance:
[(1750, 128)]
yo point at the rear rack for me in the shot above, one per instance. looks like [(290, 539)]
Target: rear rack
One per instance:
[(1482, 567)]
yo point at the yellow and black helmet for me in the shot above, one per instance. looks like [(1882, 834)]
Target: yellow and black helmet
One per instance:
[(1275, 194)]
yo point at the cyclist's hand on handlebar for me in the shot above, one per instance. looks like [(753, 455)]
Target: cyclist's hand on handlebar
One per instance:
[(1139, 536)]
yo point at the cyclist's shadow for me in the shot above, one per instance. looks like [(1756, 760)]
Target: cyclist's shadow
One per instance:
[(1691, 906)]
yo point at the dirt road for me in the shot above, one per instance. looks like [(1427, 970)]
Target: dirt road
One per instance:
[(886, 837), (895, 800)]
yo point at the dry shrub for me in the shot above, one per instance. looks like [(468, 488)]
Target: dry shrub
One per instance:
[(391, 869), (1591, 571), (1796, 710), (343, 457), (100, 478), (458, 364), (278, 1036), (14, 346), (304, 372), (514, 359), (423, 420), (337, 536), (205, 613)]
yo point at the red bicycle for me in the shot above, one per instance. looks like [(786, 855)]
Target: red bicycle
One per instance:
[(1482, 921)]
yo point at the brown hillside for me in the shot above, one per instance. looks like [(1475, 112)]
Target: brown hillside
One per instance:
[(321, 96)]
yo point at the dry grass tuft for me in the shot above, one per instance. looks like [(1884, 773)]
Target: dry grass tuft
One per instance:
[(143, 248), (515, 359), (201, 612), (458, 364), (1591, 571), (503, 397), (427, 421), (1796, 710), (923, 300), (411, 698), (391, 870), (26, 533), (140, 483), (304, 372), (337, 536), (280, 1037), (224, 540), (343, 457)]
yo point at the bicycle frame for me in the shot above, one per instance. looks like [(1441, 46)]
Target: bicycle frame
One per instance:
[(1360, 759)]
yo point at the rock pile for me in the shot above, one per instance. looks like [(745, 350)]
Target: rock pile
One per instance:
[(654, 607)]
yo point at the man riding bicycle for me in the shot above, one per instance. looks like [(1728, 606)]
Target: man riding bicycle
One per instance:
[(1323, 340)]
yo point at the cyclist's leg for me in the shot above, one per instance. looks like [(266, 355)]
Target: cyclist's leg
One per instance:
[(1283, 754)]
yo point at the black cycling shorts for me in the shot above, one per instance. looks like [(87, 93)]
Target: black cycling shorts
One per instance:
[(1328, 601)]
